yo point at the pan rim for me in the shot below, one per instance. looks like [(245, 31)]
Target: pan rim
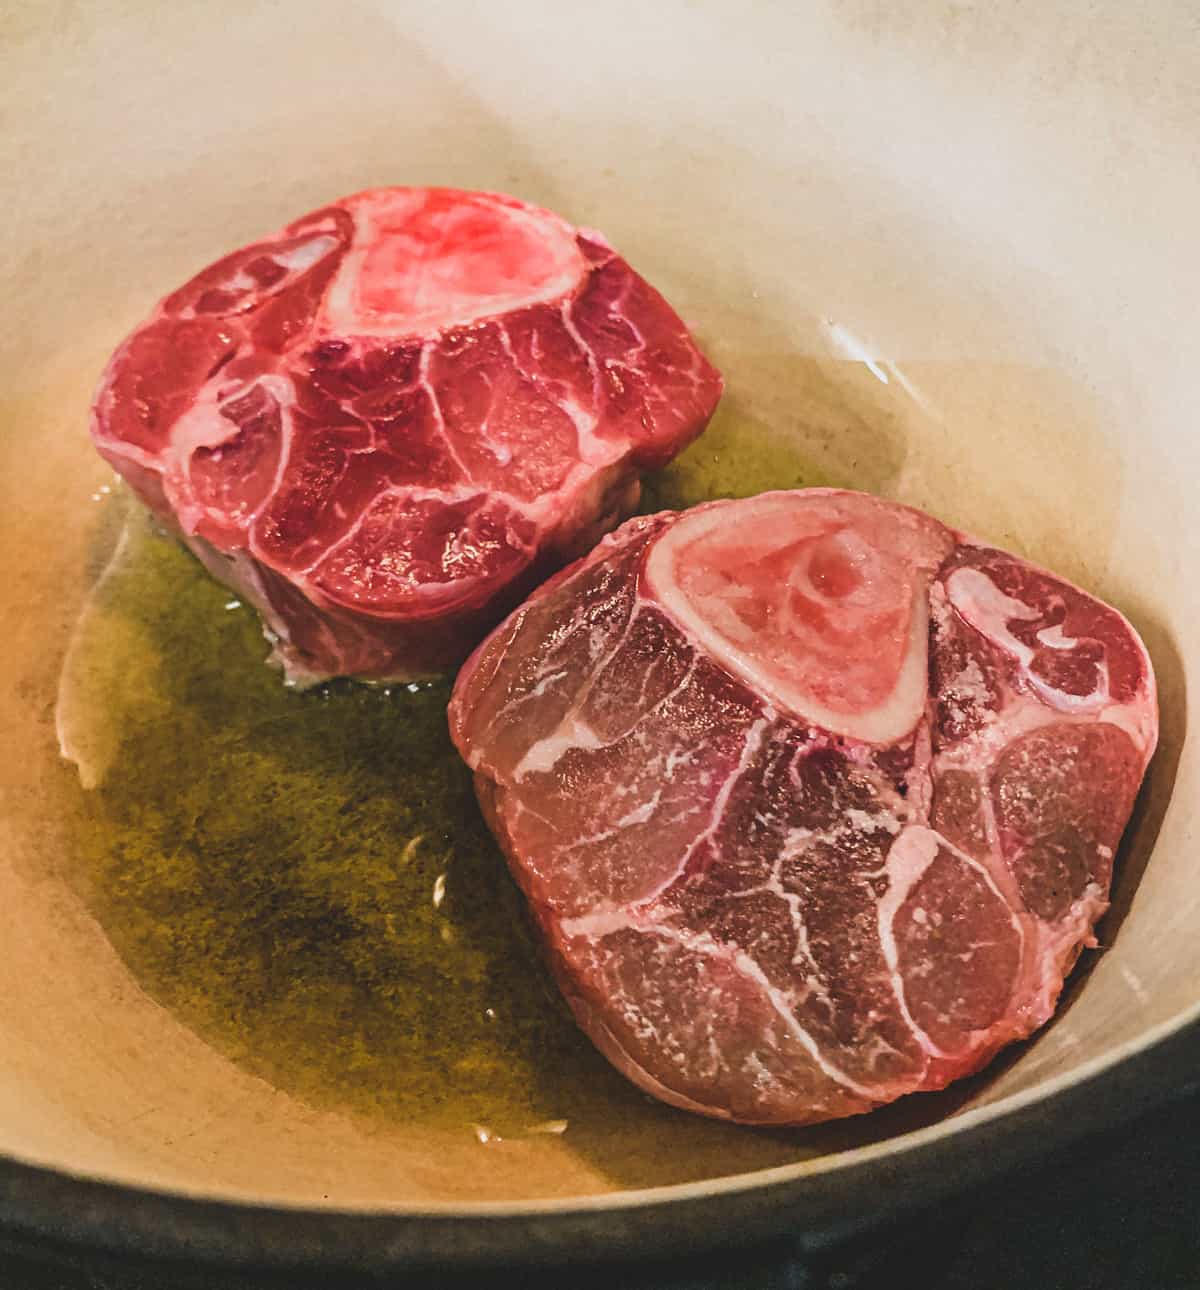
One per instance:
[(213, 1225)]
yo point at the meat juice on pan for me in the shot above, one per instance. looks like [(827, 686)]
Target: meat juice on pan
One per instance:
[(387, 422), (814, 799)]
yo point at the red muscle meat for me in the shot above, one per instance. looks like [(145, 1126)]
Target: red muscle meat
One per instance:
[(815, 800), (386, 423)]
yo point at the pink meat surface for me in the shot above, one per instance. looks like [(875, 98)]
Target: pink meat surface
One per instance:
[(387, 422), (815, 800)]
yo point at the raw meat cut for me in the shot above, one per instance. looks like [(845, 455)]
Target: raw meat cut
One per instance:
[(814, 799), (387, 422)]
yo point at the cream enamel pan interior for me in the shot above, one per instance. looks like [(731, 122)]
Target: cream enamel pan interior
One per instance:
[(949, 257)]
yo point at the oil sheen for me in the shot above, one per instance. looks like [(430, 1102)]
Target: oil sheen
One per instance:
[(303, 878)]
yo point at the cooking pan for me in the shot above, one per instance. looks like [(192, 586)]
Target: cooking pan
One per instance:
[(942, 252)]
